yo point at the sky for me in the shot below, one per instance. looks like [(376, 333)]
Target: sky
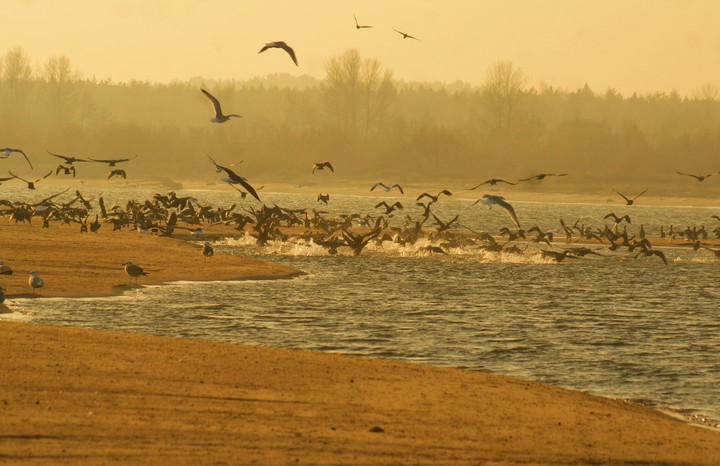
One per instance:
[(642, 46)]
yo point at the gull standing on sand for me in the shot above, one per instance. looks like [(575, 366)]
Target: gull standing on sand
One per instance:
[(133, 271), (281, 45), (207, 251), (35, 282)]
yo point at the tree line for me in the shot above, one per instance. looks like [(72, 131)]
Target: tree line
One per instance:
[(370, 125)]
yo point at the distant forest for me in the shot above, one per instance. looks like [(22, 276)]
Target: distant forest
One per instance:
[(371, 126)]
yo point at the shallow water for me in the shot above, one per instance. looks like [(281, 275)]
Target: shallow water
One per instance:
[(612, 325)]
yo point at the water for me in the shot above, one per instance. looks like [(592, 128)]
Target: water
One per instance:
[(610, 325)]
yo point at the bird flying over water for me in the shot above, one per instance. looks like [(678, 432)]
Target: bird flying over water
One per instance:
[(493, 182), (30, 184), (629, 201), (66, 169), (321, 165), (68, 159), (542, 176), (112, 162), (7, 151), (388, 188), (697, 177), (405, 35), (119, 173), (234, 178), (491, 200), (358, 26), (219, 116), (281, 45)]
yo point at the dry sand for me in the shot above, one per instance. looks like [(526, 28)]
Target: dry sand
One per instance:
[(72, 396)]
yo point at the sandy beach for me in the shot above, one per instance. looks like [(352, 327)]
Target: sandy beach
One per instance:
[(73, 396)]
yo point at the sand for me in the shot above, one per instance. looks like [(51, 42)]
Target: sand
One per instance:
[(74, 396)]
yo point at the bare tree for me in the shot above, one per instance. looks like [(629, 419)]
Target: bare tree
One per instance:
[(357, 92), (16, 84), (707, 92), (502, 94), (61, 79)]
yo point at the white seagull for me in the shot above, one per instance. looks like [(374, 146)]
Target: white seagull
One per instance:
[(387, 188), (490, 200)]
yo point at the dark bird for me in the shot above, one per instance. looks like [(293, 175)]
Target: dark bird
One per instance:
[(493, 182), (35, 282), (4, 269), (557, 256), (30, 184), (358, 26), (7, 151), (629, 201), (324, 198), (280, 45), (388, 188), (234, 178), (117, 172), (618, 219), (219, 116), (405, 35), (490, 200), (207, 251), (697, 177), (133, 271), (322, 165), (66, 169), (434, 198), (68, 159), (389, 208), (112, 162), (541, 176), (652, 252)]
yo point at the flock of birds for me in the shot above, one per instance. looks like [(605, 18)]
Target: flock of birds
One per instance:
[(165, 214)]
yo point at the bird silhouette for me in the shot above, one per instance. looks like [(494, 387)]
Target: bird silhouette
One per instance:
[(387, 188), (358, 26), (207, 251), (388, 207), (66, 169), (697, 177), (322, 165), (117, 172), (405, 35), (30, 184), (436, 197), (281, 45), (541, 176), (234, 178), (7, 151), (629, 201), (491, 200), (68, 159), (324, 198), (493, 182), (219, 116), (112, 162)]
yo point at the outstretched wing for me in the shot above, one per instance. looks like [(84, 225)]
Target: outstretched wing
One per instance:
[(215, 102), (290, 52)]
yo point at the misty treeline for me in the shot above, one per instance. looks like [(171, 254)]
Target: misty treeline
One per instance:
[(368, 124)]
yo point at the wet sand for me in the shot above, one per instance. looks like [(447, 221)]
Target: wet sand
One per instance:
[(93, 397)]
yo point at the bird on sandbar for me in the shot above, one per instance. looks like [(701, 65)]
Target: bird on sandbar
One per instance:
[(35, 282), (112, 162), (629, 201), (207, 251), (7, 151), (386, 188), (219, 117), (4, 269), (358, 26), (491, 200), (234, 178), (30, 184), (322, 165), (405, 35), (280, 45), (133, 271)]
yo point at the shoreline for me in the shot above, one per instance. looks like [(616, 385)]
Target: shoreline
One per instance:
[(94, 396)]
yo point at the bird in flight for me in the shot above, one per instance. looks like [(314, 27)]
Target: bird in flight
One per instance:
[(358, 26), (388, 188), (435, 198), (30, 184), (542, 176), (117, 172), (68, 159), (697, 177), (66, 169), (493, 182), (405, 35), (7, 151), (629, 201), (219, 116), (233, 178), (112, 162), (491, 200), (322, 165), (280, 45)]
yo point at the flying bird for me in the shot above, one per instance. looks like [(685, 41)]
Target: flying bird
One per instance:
[(112, 162), (388, 188), (436, 197), (281, 45), (7, 151), (542, 176), (219, 116), (234, 178), (66, 169), (324, 198), (697, 177), (30, 184), (68, 159), (117, 172), (358, 26), (629, 201), (493, 182), (321, 165), (405, 35), (491, 200)]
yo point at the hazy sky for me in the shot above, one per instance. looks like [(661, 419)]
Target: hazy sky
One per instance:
[(630, 45)]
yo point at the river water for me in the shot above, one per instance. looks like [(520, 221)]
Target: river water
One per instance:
[(612, 325)]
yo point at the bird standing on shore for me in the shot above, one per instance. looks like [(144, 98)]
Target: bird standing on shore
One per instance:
[(492, 182), (133, 271), (35, 282), (112, 162), (219, 116), (207, 251), (4, 269), (281, 45)]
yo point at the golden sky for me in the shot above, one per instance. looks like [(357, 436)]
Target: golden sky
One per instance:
[(631, 45)]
